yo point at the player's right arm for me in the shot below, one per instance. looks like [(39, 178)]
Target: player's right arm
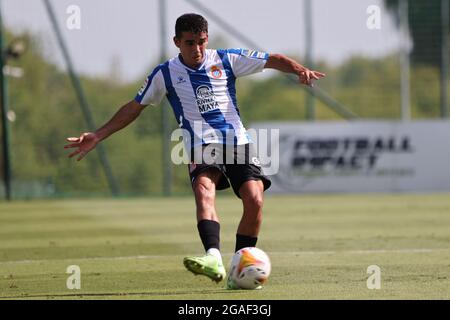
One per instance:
[(89, 140)]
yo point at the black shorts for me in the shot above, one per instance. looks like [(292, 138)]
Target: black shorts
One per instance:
[(238, 167)]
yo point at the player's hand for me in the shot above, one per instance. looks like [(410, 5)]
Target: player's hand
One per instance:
[(85, 143), (307, 76)]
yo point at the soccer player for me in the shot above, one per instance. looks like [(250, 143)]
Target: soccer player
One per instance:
[(200, 86)]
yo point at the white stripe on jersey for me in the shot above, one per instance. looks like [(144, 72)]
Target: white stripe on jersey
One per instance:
[(188, 100), (229, 112), (153, 89)]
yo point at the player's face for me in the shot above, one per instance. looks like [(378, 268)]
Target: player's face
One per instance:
[(192, 47)]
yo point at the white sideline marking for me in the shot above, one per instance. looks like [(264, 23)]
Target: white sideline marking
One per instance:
[(228, 254)]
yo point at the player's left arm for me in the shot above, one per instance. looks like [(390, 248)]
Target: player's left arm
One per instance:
[(285, 64)]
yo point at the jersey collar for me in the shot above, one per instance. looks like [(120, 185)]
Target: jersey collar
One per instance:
[(180, 58)]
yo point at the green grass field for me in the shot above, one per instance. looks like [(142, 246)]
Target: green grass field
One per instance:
[(320, 247)]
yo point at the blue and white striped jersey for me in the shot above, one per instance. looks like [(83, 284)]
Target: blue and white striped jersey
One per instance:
[(204, 100)]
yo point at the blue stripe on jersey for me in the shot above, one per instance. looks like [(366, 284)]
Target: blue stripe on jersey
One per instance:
[(231, 79), (139, 97), (175, 102), (214, 117)]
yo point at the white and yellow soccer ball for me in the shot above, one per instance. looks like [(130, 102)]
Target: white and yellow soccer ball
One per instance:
[(250, 268)]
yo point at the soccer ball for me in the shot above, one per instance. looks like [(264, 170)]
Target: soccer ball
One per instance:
[(250, 268)]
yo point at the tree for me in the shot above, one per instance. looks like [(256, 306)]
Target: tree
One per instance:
[(425, 29)]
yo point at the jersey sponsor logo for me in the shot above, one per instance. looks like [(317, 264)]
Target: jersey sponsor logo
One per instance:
[(142, 89), (206, 100), (216, 73)]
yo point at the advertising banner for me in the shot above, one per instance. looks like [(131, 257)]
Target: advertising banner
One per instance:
[(360, 156)]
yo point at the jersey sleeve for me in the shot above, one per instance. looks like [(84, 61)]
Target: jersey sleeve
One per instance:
[(245, 62), (153, 89)]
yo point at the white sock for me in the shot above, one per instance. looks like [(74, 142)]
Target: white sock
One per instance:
[(216, 253)]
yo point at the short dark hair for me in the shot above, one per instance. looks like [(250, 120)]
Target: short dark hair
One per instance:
[(190, 22)]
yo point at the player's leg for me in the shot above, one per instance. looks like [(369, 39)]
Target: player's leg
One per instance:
[(249, 184), (208, 225), (251, 193), (204, 187)]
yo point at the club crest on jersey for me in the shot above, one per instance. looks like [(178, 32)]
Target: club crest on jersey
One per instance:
[(216, 72), (206, 100)]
